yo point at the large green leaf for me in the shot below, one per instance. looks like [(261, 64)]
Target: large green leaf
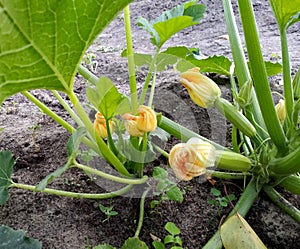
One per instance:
[(286, 11), (10, 238), (172, 21), (6, 166), (106, 98), (42, 42)]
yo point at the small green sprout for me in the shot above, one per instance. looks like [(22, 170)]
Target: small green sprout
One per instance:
[(165, 188), (108, 211), (220, 201), (172, 238)]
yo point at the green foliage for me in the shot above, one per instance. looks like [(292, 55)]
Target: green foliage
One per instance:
[(108, 211), (172, 238), (135, 243), (6, 166), (286, 12), (172, 21), (10, 238), (104, 246), (41, 54), (219, 200), (107, 99), (165, 188)]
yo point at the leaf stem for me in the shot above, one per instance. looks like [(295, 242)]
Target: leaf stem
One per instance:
[(87, 74), (48, 111), (149, 76), (282, 202), (182, 132), (73, 194), (131, 63), (109, 176), (141, 216), (287, 82), (259, 75)]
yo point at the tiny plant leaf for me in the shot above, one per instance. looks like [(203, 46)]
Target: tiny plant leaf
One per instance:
[(172, 228), (175, 194), (236, 233), (10, 238), (6, 166), (75, 140), (106, 97), (160, 173), (104, 246), (135, 243), (49, 39), (172, 21)]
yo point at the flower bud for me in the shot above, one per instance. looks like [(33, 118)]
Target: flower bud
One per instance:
[(202, 90), (280, 110), (146, 121), (296, 85), (100, 125), (245, 94), (191, 159), (131, 125)]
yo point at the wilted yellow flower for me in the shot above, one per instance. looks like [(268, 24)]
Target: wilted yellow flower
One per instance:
[(202, 90), (131, 125), (147, 119), (280, 110), (100, 125), (192, 158)]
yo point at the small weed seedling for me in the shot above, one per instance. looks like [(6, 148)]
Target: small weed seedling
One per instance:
[(108, 211), (165, 188), (220, 201), (172, 238)]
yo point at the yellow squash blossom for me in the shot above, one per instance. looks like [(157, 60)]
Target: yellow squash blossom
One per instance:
[(131, 125), (145, 122), (202, 90), (280, 110), (191, 159), (100, 125)]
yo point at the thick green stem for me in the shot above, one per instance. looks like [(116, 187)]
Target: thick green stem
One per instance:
[(109, 176), (149, 76), (240, 63), (291, 183), (131, 64), (285, 205), (287, 165), (67, 107), (259, 75), (141, 216), (87, 74), (73, 194), (287, 81), (227, 175), (105, 151), (49, 112), (242, 207), (183, 133)]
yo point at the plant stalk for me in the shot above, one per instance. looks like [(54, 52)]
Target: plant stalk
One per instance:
[(259, 75), (109, 176), (73, 194), (131, 64), (287, 81), (281, 202), (142, 211)]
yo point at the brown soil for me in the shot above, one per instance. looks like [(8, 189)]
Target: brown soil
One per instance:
[(60, 222)]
